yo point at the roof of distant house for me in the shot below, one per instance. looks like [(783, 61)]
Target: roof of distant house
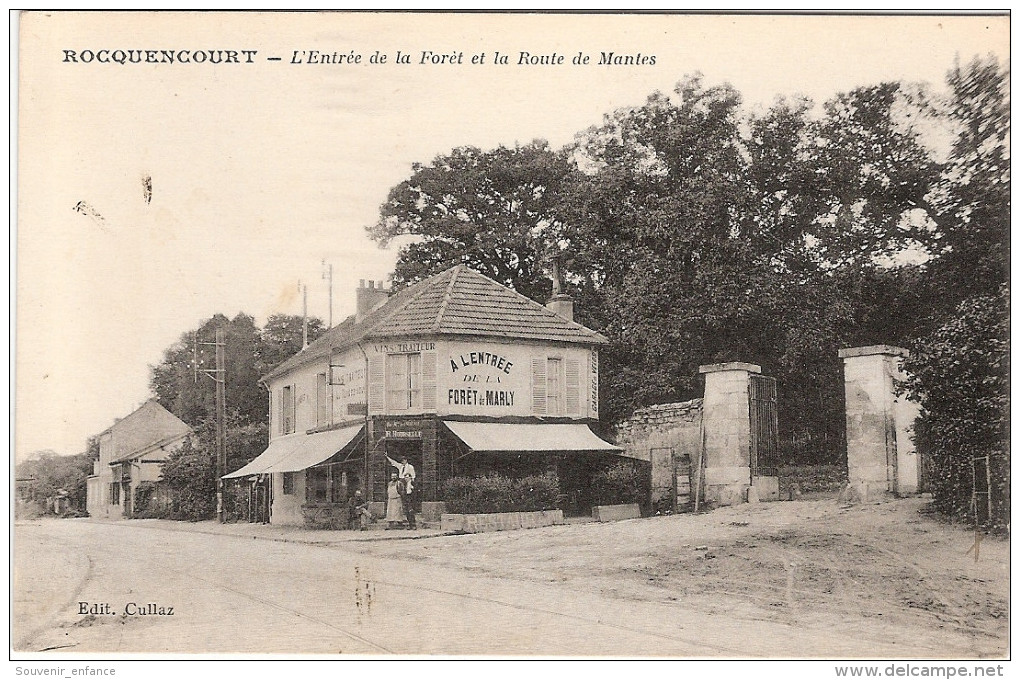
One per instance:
[(458, 301), (148, 427)]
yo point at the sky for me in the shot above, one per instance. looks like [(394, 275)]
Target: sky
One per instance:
[(261, 171)]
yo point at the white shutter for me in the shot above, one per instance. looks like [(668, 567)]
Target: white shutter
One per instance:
[(573, 379), (279, 412), (376, 383), (594, 413), (428, 381), (538, 386)]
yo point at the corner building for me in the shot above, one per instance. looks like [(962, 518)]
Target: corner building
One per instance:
[(458, 373)]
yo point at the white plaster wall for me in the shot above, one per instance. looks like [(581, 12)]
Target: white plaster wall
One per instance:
[(286, 508)]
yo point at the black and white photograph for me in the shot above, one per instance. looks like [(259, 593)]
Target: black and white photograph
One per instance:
[(434, 335)]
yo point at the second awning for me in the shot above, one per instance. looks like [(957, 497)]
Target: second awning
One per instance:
[(537, 437), (299, 451)]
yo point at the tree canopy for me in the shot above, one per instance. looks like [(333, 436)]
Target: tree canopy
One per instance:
[(693, 230)]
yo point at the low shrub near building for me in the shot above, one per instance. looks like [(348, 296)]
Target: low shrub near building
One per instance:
[(498, 493), (620, 484)]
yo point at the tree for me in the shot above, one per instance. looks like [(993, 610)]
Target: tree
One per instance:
[(960, 367), (971, 201), (492, 210), (281, 338), (190, 476), (249, 354), (58, 474)]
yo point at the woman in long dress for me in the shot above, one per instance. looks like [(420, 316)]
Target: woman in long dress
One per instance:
[(394, 503)]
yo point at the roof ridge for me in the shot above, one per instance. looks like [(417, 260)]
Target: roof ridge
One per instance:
[(421, 286), (534, 303), (446, 298)]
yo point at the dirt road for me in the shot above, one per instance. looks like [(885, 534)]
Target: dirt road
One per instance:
[(807, 579)]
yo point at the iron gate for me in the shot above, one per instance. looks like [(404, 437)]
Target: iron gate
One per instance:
[(764, 417)]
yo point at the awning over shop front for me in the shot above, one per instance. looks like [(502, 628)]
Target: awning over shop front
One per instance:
[(528, 437), (297, 452)]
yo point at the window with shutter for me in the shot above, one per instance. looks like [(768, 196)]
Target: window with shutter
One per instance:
[(321, 401), (554, 387), (428, 381), (288, 405), (376, 383), (572, 397), (538, 386), (594, 411)]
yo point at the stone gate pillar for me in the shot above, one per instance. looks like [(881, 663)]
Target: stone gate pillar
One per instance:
[(727, 443), (881, 457)]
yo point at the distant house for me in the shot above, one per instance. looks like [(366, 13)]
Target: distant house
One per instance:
[(457, 373), (131, 455)]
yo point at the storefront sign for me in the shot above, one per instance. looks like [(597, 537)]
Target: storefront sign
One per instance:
[(403, 429), (481, 358)]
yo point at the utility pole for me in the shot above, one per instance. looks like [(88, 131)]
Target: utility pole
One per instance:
[(221, 429), (328, 275), (304, 319), (219, 375)]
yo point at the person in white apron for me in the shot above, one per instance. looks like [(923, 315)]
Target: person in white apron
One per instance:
[(394, 501)]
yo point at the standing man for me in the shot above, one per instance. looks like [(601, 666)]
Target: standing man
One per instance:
[(405, 473)]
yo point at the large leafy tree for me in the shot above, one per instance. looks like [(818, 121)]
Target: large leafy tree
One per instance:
[(960, 366), (493, 210)]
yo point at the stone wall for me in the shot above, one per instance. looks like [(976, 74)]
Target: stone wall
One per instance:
[(653, 432)]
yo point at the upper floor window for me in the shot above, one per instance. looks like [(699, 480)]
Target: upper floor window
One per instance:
[(554, 386), (403, 382), (287, 406), (321, 400)]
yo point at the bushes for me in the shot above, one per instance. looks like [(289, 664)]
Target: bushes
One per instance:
[(497, 493), (619, 484), (190, 475), (961, 378)]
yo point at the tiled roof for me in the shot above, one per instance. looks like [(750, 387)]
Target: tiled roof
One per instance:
[(458, 301)]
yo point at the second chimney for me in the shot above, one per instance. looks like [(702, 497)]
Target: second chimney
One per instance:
[(370, 298)]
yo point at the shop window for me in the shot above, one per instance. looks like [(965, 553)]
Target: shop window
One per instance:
[(288, 483), (318, 481), (403, 382)]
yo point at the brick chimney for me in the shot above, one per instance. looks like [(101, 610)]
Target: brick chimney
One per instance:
[(560, 303), (370, 298)]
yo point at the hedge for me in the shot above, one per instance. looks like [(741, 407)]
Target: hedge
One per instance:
[(622, 483), (498, 493)]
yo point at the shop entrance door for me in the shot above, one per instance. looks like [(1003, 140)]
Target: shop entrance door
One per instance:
[(397, 450)]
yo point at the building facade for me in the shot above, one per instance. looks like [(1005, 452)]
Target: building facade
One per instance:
[(131, 455), (457, 374)]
